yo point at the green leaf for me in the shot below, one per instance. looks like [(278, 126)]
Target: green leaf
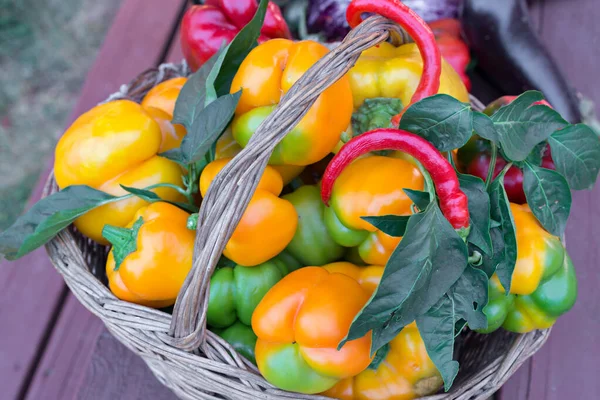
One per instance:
[(151, 197), (504, 239), (175, 155), (421, 199), (484, 127), (479, 210), (436, 327), (440, 325), (393, 225), (470, 294), (210, 90), (207, 128), (192, 96), (239, 48), (49, 216), (548, 196), (521, 126), (576, 155), (379, 357), (441, 119), (427, 262), (123, 240), (375, 113)]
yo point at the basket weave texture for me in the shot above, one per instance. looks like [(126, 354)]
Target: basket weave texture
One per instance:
[(178, 348)]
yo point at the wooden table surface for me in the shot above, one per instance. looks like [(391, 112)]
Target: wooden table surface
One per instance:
[(52, 348)]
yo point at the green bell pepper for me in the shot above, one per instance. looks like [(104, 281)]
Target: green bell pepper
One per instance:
[(241, 337), (235, 292), (312, 244)]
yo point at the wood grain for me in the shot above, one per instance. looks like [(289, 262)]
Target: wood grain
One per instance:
[(568, 365), (116, 373), (31, 289)]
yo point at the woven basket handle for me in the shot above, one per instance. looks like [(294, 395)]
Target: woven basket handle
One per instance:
[(232, 189)]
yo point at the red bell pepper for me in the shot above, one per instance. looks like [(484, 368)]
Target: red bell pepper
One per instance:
[(205, 28), (453, 48)]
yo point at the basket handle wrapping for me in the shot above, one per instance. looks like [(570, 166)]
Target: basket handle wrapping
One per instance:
[(232, 189)]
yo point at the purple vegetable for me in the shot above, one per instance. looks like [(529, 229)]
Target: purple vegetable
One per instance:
[(328, 17)]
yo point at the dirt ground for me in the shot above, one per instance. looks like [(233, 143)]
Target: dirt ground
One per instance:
[(46, 49)]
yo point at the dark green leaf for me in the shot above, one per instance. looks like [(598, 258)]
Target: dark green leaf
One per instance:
[(479, 209), (576, 155), (504, 239), (484, 127), (210, 90), (175, 155), (379, 357), (49, 216), (239, 48), (207, 128), (151, 197), (427, 262), (536, 155), (375, 113), (441, 119), (521, 126), (436, 327), (548, 196), (421, 199), (123, 240), (393, 225), (192, 97), (470, 294)]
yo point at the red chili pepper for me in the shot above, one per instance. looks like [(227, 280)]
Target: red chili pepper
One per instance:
[(204, 28), (452, 47), (419, 31), (453, 202)]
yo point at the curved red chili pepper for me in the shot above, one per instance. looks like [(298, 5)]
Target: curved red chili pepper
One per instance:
[(453, 202), (419, 31)]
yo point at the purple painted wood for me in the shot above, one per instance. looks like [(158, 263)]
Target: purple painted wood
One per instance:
[(31, 291), (567, 366)]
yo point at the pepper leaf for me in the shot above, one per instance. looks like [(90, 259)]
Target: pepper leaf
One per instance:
[(521, 125), (49, 216), (484, 127), (427, 262), (479, 210), (419, 198), (436, 327), (192, 96), (441, 119), (576, 155), (393, 225), (548, 196), (151, 197), (207, 128), (238, 49), (470, 294), (504, 239)]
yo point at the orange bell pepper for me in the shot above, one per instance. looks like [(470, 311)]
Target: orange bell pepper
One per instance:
[(266, 74), (370, 186), (158, 252), (268, 224), (299, 324)]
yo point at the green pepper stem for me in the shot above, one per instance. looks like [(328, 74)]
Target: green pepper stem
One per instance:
[(124, 240)]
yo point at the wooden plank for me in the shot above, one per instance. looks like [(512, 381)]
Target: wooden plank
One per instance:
[(138, 38), (129, 377), (567, 366)]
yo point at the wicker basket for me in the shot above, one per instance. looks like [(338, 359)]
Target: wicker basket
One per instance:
[(180, 351)]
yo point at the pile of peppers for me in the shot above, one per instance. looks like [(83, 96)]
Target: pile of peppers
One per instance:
[(302, 262)]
